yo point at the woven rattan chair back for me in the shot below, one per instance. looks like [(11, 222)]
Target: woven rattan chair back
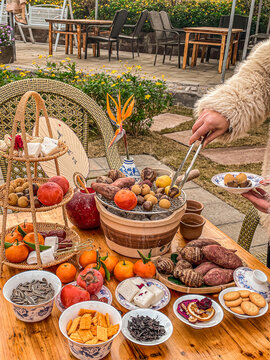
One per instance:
[(119, 20), (248, 228), (63, 102), (139, 25), (157, 25)]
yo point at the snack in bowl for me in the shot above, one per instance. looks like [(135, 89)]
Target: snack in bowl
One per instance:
[(196, 310)]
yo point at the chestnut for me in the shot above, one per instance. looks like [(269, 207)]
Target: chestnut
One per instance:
[(147, 205)]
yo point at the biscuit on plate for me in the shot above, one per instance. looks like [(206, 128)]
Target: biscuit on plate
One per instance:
[(232, 295), (244, 293), (246, 299), (249, 308), (257, 299), (237, 310), (233, 303)]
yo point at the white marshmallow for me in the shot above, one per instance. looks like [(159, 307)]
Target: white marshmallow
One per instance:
[(51, 241), (47, 256), (32, 258)]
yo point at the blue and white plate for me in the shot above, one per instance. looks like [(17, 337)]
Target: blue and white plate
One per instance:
[(254, 280), (254, 179), (104, 292), (157, 306)]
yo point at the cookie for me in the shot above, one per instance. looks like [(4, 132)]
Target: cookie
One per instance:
[(233, 303), (249, 308), (244, 293), (237, 310), (257, 299), (232, 295), (246, 299)]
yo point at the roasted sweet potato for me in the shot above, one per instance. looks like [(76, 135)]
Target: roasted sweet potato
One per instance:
[(124, 182), (201, 243), (218, 276), (106, 190), (205, 267), (221, 256)]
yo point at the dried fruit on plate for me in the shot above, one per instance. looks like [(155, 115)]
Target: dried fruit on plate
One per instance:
[(144, 267), (195, 310)]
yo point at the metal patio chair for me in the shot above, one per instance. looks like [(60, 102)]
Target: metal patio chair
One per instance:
[(137, 28), (119, 20)]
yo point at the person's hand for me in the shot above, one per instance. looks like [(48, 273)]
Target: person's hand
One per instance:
[(209, 120), (260, 199)]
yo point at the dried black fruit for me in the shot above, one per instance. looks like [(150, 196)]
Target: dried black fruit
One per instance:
[(144, 328)]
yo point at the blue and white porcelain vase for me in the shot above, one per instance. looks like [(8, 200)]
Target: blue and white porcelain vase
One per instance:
[(129, 169)]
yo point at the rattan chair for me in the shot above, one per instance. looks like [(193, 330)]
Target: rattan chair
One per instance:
[(63, 102)]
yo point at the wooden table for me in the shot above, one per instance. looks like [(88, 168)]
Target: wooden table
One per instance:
[(232, 339), (81, 25), (205, 41)]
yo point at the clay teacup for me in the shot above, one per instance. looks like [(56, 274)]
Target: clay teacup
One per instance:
[(194, 207), (191, 226)]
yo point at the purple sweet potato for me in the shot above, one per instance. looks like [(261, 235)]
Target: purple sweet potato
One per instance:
[(218, 276), (205, 267), (201, 243), (222, 257), (106, 190), (124, 182)]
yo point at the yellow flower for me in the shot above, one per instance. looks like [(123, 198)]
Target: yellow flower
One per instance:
[(76, 77), (118, 76), (2, 65), (129, 68), (147, 97), (162, 76), (22, 74), (63, 61), (158, 83), (92, 74), (128, 80), (49, 55), (33, 63), (67, 58), (53, 75), (123, 73), (154, 77), (40, 56), (114, 71), (49, 69), (7, 67), (138, 67), (113, 85), (103, 82)]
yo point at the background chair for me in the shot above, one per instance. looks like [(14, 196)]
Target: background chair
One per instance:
[(63, 102), (119, 20), (137, 28)]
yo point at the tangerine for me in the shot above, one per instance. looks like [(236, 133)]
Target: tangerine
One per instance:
[(31, 239), (13, 236), (111, 262), (123, 270), (66, 272), (26, 227), (88, 257), (94, 265), (17, 253), (125, 199)]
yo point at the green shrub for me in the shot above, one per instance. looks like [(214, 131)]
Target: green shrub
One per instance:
[(150, 95)]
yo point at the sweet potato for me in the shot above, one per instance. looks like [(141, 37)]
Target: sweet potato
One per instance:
[(201, 243), (218, 276), (124, 182), (106, 190), (221, 256), (205, 267)]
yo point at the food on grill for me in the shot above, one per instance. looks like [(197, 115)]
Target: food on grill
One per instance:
[(163, 181), (106, 190), (140, 200), (145, 189), (148, 174), (173, 192), (190, 278), (115, 174), (164, 265), (192, 254), (104, 179), (147, 205), (124, 182), (164, 203), (125, 199), (221, 256), (136, 189), (144, 328), (218, 277), (153, 199)]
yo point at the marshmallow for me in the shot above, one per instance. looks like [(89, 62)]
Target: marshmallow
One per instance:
[(52, 241), (47, 256)]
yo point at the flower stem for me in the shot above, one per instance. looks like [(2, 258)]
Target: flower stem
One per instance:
[(126, 146)]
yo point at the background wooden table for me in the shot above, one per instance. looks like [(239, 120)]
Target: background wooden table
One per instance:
[(233, 339), (197, 41), (81, 25)]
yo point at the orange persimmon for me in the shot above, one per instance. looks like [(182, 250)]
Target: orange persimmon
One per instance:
[(125, 199)]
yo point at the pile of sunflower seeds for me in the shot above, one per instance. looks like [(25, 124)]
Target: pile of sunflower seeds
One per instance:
[(32, 293), (144, 328)]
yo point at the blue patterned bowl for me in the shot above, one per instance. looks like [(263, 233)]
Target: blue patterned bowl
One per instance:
[(83, 351), (32, 313), (254, 179)]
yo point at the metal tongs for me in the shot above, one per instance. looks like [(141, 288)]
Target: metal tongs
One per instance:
[(177, 173)]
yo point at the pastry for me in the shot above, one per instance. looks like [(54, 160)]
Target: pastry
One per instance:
[(191, 278), (232, 295), (234, 303), (249, 308), (241, 180), (230, 181), (257, 299), (246, 299), (237, 310), (244, 293)]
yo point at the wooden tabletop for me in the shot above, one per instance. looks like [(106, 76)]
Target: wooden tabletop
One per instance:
[(210, 30), (79, 21), (232, 339)]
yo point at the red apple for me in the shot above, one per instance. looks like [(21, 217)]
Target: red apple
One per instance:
[(82, 211), (50, 194), (61, 181), (73, 294)]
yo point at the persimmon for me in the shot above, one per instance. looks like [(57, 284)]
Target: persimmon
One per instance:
[(125, 199), (144, 267), (66, 272), (17, 252), (88, 257), (110, 262), (123, 270), (31, 239), (95, 266), (13, 236), (27, 227)]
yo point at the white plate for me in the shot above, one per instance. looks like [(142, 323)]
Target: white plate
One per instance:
[(235, 288), (163, 320), (104, 292), (216, 319), (157, 306), (219, 181)]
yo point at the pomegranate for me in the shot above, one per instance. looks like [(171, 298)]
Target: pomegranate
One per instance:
[(91, 280)]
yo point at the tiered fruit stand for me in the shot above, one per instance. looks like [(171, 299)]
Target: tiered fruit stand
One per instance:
[(11, 157)]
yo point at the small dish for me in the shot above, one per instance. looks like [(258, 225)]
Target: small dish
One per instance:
[(104, 292), (253, 178), (191, 226), (254, 280), (157, 306), (163, 320), (216, 319), (262, 311), (194, 207)]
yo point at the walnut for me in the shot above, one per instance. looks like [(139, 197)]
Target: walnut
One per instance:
[(149, 174), (164, 265)]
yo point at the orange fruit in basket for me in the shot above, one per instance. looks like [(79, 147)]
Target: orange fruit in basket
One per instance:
[(13, 236), (31, 239), (123, 270), (94, 265), (125, 199), (66, 272), (111, 262), (17, 253), (88, 257), (26, 227)]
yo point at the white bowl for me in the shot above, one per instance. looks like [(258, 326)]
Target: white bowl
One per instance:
[(219, 181), (262, 311), (163, 320), (83, 351), (32, 313), (216, 319)]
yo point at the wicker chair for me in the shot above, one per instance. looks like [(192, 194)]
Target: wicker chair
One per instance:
[(63, 102)]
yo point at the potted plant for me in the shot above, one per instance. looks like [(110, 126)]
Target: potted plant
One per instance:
[(6, 45)]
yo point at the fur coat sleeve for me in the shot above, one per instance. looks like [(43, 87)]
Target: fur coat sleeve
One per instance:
[(244, 99)]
